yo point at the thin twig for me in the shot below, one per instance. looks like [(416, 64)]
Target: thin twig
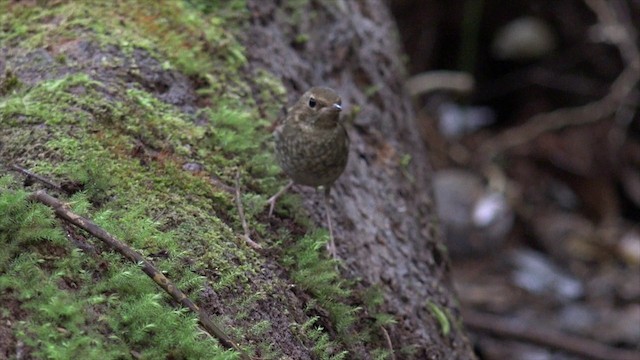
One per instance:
[(431, 81), (619, 94), (48, 183), (387, 338), (79, 241), (243, 219), (215, 181), (62, 211), (545, 337)]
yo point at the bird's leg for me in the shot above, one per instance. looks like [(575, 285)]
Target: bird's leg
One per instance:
[(272, 200), (332, 244)]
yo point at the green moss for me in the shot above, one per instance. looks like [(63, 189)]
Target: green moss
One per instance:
[(373, 300), (301, 39), (441, 316), (58, 325), (320, 278), (323, 347), (23, 223), (125, 148), (89, 138), (8, 83), (185, 37), (46, 102)]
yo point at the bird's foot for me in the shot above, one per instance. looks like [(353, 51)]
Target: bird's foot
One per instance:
[(331, 248), (272, 200)]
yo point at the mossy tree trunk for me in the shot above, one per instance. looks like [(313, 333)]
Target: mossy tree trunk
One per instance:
[(382, 205), (153, 108)]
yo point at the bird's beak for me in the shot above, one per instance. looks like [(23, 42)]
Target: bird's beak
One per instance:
[(337, 107)]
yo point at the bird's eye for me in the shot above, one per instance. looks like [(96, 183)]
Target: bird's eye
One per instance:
[(312, 102)]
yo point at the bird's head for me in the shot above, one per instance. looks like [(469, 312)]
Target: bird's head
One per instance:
[(319, 107)]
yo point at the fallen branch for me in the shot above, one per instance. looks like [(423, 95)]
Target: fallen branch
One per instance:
[(619, 95), (254, 245), (561, 118), (431, 81), (31, 175), (62, 211), (545, 337)]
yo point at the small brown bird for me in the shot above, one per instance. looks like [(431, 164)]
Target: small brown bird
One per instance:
[(312, 146)]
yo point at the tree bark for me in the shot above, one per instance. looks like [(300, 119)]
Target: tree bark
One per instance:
[(385, 222), (385, 226)]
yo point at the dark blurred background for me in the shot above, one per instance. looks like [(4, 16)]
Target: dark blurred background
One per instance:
[(529, 109)]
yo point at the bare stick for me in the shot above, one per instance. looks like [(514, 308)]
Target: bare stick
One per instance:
[(619, 94), (48, 183), (545, 337), (215, 181), (387, 338), (243, 219), (561, 118), (431, 81), (62, 211)]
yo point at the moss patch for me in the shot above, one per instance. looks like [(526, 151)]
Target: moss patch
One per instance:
[(142, 106)]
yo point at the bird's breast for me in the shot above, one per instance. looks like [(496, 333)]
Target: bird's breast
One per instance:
[(310, 156)]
